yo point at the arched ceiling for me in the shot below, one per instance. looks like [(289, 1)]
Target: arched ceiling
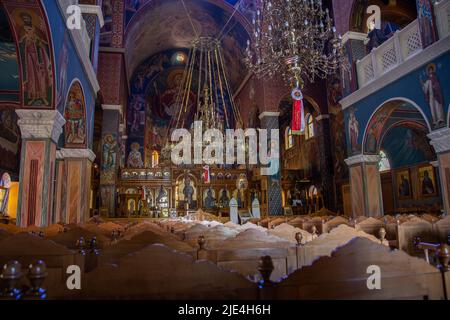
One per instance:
[(161, 25)]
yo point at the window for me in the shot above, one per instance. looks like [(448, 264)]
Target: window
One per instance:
[(309, 126), (289, 138), (155, 159), (384, 164)]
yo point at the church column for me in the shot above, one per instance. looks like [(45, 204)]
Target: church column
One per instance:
[(73, 186), (269, 121), (326, 163), (40, 131), (365, 185), (110, 158), (440, 140)]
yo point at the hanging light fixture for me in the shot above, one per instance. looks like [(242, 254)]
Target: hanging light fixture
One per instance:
[(205, 75), (297, 39)]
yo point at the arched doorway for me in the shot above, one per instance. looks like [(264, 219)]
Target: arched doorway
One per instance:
[(397, 132)]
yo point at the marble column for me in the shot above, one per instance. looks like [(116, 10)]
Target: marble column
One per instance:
[(269, 120), (40, 130), (365, 185), (326, 162), (440, 140), (110, 159), (73, 185)]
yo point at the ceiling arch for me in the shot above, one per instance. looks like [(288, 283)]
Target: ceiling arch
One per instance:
[(162, 25)]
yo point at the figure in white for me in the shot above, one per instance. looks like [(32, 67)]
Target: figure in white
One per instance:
[(353, 128), (234, 211), (135, 157), (432, 89)]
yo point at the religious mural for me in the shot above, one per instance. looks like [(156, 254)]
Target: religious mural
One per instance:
[(337, 128), (224, 198), (427, 181), (9, 139), (433, 93), (353, 132), (406, 145), (109, 158), (209, 198), (403, 180), (153, 103), (425, 102), (36, 54), (75, 115), (425, 16), (186, 192), (135, 156)]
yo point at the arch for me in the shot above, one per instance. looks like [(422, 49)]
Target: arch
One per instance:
[(288, 139), (37, 71), (379, 109), (75, 129), (310, 127), (174, 31)]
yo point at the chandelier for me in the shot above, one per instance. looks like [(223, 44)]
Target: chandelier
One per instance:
[(295, 38), (205, 76)]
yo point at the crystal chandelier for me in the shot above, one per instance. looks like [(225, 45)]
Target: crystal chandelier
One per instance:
[(295, 38)]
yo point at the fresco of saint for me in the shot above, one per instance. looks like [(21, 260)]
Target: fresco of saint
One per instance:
[(426, 22), (74, 114), (135, 157), (432, 89), (109, 152), (353, 131), (36, 63)]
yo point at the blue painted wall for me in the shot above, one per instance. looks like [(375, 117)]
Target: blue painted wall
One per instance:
[(408, 87), (68, 65)]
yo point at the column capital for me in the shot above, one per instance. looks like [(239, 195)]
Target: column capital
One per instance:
[(440, 140), (75, 153), (269, 114), (362, 158), (40, 124)]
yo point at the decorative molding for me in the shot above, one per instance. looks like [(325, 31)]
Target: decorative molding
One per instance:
[(268, 114), (322, 117), (432, 52), (77, 39), (440, 140), (40, 124), (362, 158), (75, 154), (93, 9)]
